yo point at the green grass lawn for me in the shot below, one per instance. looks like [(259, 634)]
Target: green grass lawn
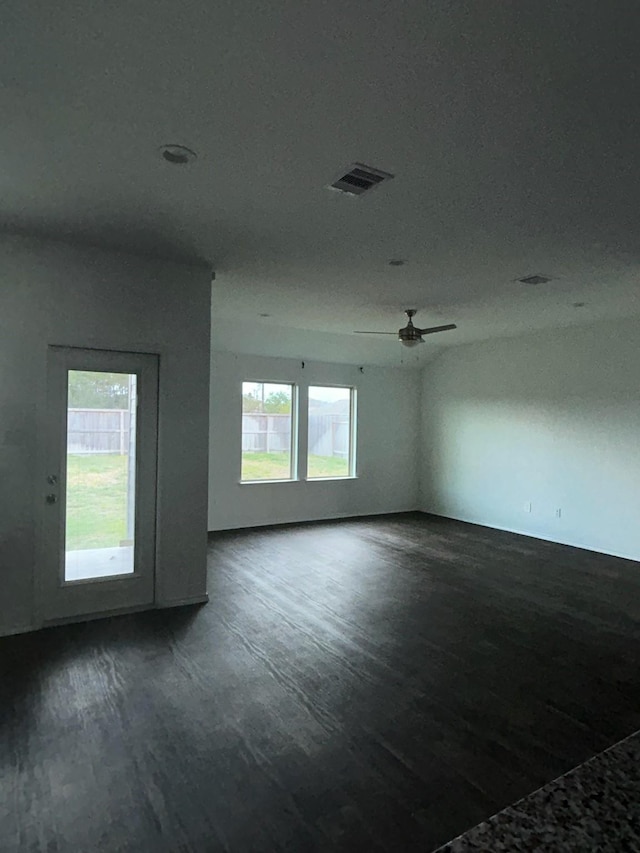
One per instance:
[(265, 466), (276, 466), (96, 501), (327, 466)]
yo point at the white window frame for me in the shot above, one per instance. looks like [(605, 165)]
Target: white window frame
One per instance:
[(353, 432), (293, 448)]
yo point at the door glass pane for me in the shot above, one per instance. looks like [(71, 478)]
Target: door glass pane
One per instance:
[(101, 463), (330, 432)]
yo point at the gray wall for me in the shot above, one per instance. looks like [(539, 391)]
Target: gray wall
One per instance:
[(551, 419), (51, 293), (388, 425)]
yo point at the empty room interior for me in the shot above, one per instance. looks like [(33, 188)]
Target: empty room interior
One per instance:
[(319, 426)]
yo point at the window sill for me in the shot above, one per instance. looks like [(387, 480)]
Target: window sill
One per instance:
[(305, 480), (270, 482), (330, 479)]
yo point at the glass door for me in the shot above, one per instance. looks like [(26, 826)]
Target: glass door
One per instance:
[(99, 495)]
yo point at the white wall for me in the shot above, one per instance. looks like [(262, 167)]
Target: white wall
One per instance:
[(550, 418), (388, 425), (51, 293)]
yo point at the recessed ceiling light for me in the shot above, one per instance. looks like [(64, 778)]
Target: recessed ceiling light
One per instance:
[(396, 262), (178, 155)]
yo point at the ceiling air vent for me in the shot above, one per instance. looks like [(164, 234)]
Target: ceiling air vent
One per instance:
[(359, 179), (534, 279)]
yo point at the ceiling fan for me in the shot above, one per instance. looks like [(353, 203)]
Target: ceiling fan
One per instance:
[(410, 335)]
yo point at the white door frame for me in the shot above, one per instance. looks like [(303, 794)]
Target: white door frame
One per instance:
[(58, 600)]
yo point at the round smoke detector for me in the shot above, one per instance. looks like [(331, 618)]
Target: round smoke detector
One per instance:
[(178, 155)]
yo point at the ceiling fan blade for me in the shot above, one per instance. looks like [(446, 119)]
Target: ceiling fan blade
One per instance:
[(375, 333), (434, 329)]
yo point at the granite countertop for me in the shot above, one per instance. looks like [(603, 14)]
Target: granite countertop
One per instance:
[(595, 807)]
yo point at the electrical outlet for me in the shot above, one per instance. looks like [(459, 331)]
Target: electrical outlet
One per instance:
[(527, 506), (558, 513)]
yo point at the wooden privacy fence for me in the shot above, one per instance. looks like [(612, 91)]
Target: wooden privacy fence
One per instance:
[(266, 433), (98, 431), (328, 434)]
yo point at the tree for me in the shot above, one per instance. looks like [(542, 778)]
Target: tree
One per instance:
[(250, 404), (91, 390), (278, 403)]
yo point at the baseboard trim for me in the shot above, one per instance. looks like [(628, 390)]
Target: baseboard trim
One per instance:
[(267, 525), (120, 611), (19, 629), (183, 602), (580, 546), (91, 617)]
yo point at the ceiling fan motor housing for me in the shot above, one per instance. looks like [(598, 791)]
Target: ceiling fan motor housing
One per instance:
[(410, 333), (410, 336)]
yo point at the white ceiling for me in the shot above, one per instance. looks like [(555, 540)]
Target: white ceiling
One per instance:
[(513, 130)]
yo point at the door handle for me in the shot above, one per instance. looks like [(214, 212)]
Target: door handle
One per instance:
[(51, 499)]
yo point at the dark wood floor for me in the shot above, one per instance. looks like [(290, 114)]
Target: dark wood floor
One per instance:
[(375, 685)]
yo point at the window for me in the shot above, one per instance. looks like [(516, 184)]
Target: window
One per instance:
[(267, 431), (331, 432)]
